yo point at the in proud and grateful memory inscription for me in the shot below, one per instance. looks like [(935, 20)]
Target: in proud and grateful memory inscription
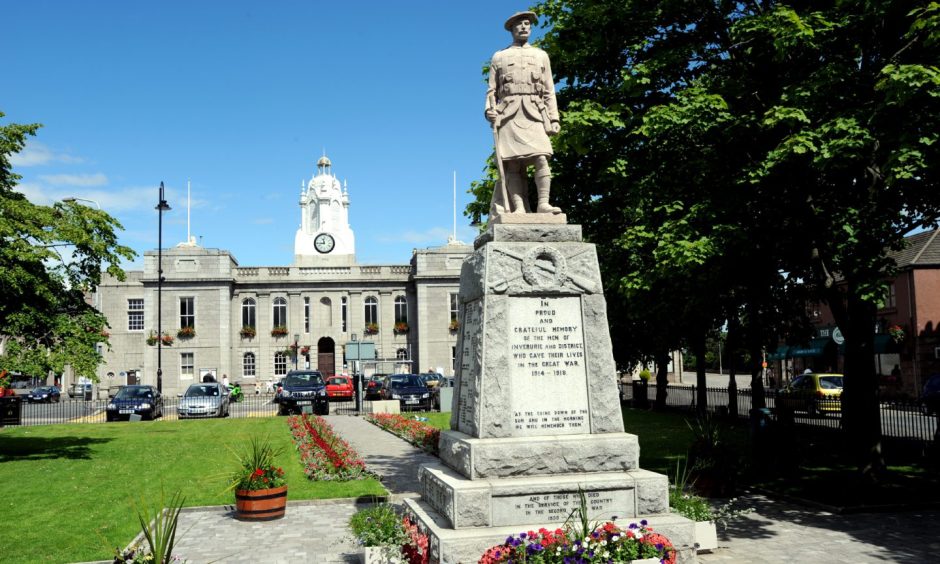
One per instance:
[(547, 366)]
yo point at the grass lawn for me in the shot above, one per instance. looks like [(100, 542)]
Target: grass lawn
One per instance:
[(69, 489), (812, 464)]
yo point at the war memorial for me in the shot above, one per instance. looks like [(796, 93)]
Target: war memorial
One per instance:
[(536, 418)]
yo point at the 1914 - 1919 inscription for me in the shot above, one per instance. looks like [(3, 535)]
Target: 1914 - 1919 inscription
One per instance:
[(547, 366)]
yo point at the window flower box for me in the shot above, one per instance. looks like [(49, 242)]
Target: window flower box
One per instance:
[(454, 325), (186, 332), (371, 328), (248, 332), (401, 328), (279, 331)]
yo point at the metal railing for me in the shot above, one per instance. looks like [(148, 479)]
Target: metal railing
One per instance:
[(69, 410), (904, 421)]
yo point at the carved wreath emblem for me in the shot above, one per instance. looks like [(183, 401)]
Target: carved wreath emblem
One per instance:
[(544, 267)]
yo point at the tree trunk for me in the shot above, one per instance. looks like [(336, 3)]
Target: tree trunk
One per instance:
[(732, 347), (662, 380), (701, 398), (861, 412)]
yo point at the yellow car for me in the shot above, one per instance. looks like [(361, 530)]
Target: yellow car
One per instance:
[(812, 393)]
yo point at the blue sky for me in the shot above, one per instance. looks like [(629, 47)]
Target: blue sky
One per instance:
[(242, 98)]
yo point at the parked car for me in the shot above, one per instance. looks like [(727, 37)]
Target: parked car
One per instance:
[(145, 401), (339, 387), (409, 389), (373, 386), (204, 400), (930, 398), (812, 393), (47, 394), (302, 388), (431, 379), (78, 390)]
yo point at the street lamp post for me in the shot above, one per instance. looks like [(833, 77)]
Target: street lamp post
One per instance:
[(296, 349), (162, 206)]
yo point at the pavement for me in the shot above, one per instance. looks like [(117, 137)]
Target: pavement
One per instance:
[(775, 532)]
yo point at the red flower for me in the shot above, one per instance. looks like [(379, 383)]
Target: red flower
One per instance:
[(259, 472)]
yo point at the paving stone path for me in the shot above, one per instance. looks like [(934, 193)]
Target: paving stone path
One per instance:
[(777, 532)]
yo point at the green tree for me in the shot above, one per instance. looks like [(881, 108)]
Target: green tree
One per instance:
[(740, 158), (51, 258)]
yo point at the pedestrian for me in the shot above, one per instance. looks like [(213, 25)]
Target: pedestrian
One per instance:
[(225, 380)]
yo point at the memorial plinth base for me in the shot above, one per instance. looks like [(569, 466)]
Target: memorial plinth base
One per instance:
[(534, 456), (536, 418), (465, 546), (548, 499)]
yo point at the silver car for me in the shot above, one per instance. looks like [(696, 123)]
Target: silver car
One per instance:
[(209, 399)]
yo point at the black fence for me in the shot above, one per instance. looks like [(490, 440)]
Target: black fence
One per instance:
[(904, 421), (19, 411)]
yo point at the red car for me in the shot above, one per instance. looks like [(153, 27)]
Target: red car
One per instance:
[(339, 387)]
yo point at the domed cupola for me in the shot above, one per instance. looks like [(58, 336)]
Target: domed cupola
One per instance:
[(324, 235)]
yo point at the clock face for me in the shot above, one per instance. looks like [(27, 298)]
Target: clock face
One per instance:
[(324, 243)]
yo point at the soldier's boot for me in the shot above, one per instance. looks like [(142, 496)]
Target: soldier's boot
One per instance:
[(543, 182), (515, 185)]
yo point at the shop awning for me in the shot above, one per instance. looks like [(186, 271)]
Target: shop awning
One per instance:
[(884, 344), (816, 347), (779, 354)]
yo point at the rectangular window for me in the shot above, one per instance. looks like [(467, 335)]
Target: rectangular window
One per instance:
[(280, 364), (891, 300), (453, 360), (187, 312), (453, 307), (306, 315), (342, 309), (248, 365), (187, 361), (135, 314)]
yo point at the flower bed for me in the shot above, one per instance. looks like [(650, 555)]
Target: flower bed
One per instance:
[(420, 434), (605, 543), (323, 454)]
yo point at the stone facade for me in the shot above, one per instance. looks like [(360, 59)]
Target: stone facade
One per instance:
[(324, 298)]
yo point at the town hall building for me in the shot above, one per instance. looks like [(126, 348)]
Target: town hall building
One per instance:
[(254, 323)]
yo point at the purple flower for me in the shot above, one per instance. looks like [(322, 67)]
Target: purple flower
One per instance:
[(644, 522), (632, 525), (521, 535), (659, 546)]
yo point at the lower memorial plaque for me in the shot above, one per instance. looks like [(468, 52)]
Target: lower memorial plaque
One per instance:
[(558, 507), (547, 366)]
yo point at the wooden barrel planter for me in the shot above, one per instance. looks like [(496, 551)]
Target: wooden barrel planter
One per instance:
[(260, 505)]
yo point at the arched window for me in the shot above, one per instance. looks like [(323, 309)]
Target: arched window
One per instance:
[(372, 310), (401, 354), (280, 364), (248, 364), (280, 312), (401, 310), (248, 313)]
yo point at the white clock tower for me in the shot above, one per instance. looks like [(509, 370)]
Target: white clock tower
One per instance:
[(324, 237)]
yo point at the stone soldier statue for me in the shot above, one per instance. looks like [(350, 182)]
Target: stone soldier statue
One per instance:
[(520, 103)]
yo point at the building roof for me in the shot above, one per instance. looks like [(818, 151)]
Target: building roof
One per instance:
[(923, 249)]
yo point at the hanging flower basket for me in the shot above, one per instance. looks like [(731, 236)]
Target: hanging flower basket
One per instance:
[(401, 328), (166, 339), (186, 332), (152, 338), (304, 350), (897, 333), (371, 328), (248, 332), (279, 331)]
